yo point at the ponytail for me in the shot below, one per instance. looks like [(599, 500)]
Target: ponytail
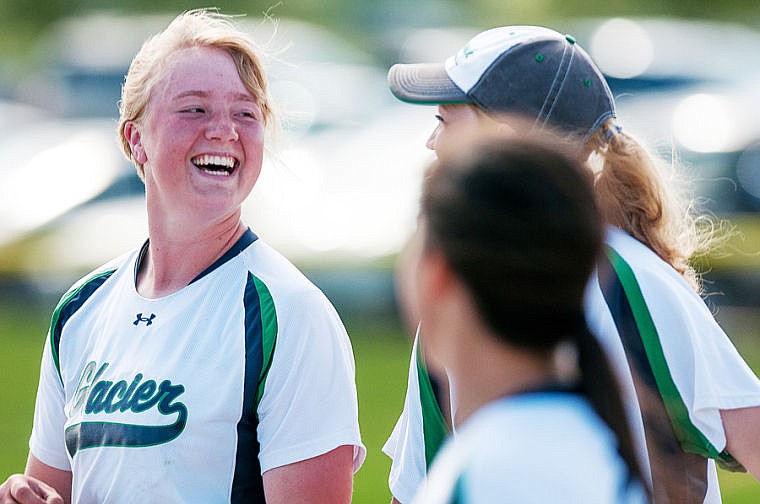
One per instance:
[(636, 195), (597, 380)]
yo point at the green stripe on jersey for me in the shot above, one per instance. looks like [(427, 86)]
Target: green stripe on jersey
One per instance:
[(434, 425), (689, 436), (86, 288), (268, 332)]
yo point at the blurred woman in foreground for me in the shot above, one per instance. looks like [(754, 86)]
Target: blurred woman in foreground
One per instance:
[(509, 231)]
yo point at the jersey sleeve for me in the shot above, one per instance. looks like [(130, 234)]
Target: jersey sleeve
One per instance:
[(47, 441), (696, 367), (705, 366), (418, 434), (309, 405)]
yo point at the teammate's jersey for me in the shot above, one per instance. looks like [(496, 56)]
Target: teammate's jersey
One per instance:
[(192, 396), (685, 366), (419, 432), (535, 447)]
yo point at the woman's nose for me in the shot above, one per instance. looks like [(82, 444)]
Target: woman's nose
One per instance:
[(221, 127), (430, 144)]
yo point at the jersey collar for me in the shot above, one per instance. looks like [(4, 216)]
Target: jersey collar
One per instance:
[(240, 245)]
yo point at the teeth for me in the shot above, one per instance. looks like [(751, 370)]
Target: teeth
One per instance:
[(207, 159), (216, 172)]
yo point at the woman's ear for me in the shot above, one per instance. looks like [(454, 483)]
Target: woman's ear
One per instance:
[(436, 274), (133, 136)]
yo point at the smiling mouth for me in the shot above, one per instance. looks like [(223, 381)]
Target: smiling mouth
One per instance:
[(216, 165)]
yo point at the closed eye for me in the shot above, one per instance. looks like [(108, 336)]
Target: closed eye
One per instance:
[(439, 118), (247, 114)]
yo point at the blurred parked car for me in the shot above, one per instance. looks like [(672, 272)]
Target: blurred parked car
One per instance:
[(688, 88), (15, 114), (51, 166)]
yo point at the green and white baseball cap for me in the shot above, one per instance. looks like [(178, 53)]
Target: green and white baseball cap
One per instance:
[(528, 70)]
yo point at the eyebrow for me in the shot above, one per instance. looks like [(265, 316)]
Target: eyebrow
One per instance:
[(204, 94)]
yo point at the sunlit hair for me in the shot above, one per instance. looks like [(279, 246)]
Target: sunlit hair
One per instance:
[(194, 28), (642, 194)]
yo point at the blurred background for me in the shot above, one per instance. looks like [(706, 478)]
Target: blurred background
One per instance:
[(338, 194)]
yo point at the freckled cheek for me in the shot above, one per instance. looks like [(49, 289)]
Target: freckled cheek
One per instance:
[(253, 142), (254, 156)]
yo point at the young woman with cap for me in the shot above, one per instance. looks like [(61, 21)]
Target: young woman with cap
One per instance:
[(690, 396), (508, 230)]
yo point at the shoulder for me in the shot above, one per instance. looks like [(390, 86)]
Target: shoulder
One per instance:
[(660, 300), (514, 440), (532, 432), (279, 277), (635, 262), (85, 286), (552, 414), (637, 255)]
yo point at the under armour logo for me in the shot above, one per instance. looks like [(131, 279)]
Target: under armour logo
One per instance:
[(147, 320)]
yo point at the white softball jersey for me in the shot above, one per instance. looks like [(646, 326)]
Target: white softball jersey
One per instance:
[(192, 396), (535, 447), (667, 350), (675, 364)]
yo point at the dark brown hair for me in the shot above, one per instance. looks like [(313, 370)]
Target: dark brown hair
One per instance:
[(517, 219)]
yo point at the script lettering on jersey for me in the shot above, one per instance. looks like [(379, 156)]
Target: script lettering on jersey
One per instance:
[(94, 395)]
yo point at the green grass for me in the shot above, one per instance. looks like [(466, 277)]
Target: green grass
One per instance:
[(382, 364), (22, 334), (382, 353)]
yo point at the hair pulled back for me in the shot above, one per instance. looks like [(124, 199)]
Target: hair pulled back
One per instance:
[(517, 219), (640, 193)]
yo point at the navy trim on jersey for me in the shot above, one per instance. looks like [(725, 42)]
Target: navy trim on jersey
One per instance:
[(677, 474), (240, 245), (68, 305), (98, 434), (140, 257), (247, 485)]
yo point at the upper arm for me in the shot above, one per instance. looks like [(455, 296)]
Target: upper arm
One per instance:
[(742, 426), (309, 405), (59, 479), (325, 478)]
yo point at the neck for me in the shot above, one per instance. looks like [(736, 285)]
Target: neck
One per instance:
[(174, 259), (488, 369)]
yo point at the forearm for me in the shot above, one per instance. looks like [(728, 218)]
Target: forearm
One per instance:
[(58, 479), (40, 484)]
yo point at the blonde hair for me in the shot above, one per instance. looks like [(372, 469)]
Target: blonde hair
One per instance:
[(194, 28), (641, 194)]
